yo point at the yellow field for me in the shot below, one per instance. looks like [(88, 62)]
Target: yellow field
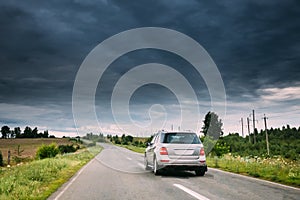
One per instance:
[(27, 146)]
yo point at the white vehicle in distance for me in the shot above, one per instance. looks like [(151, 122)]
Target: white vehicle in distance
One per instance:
[(176, 150)]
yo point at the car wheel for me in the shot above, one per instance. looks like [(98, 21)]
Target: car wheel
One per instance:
[(156, 169), (200, 172), (146, 163)]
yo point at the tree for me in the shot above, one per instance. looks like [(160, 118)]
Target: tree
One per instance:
[(123, 140), (5, 131), (116, 139), (27, 132), (129, 138), (17, 132), (34, 132), (212, 125), (46, 134)]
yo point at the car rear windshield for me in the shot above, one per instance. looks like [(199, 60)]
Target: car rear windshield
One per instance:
[(180, 138)]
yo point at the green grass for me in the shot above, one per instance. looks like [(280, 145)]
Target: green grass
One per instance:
[(274, 169), (40, 178), (133, 148)]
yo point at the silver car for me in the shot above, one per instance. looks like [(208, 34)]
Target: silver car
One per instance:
[(177, 150)]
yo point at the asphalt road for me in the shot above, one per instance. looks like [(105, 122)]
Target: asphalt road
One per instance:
[(117, 173)]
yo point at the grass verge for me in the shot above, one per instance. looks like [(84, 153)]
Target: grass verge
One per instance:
[(133, 148), (273, 169), (40, 178)]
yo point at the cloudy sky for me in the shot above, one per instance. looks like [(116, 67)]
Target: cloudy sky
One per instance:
[(255, 45)]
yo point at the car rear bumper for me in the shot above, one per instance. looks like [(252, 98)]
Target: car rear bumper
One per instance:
[(183, 164), (185, 167)]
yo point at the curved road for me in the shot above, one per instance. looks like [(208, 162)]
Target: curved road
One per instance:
[(117, 173)]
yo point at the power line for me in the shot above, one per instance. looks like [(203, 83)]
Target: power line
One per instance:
[(283, 114)]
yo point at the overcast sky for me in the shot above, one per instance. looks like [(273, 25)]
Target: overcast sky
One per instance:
[(255, 45)]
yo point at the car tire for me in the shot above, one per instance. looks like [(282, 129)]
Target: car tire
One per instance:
[(146, 163), (200, 172), (156, 168)]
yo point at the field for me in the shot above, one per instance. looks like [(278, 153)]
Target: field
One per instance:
[(24, 149)]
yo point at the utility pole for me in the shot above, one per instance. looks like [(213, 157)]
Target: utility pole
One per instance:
[(242, 122), (248, 124), (254, 137), (267, 138)]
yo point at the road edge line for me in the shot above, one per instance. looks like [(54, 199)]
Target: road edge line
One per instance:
[(256, 179)]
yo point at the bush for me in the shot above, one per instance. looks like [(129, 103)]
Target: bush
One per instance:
[(291, 154), (91, 144), (76, 140), (143, 145), (124, 142), (220, 149), (66, 148), (19, 159), (47, 151), (136, 143), (1, 159)]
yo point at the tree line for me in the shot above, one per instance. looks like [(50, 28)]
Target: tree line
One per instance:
[(115, 139), (283, 142), (95, 137), (28, 132)]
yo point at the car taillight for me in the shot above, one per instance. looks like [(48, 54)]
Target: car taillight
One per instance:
[(202, 153), (163, 151)]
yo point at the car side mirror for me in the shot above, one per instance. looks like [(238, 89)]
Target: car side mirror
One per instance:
[(149, 144)]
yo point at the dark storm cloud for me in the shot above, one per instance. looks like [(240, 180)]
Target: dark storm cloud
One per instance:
[(266, 49), (255, 45), (245, 39)]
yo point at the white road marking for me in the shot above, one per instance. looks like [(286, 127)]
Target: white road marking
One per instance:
[(73, 179), (255, 179), (191, 192), (129, 158)]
